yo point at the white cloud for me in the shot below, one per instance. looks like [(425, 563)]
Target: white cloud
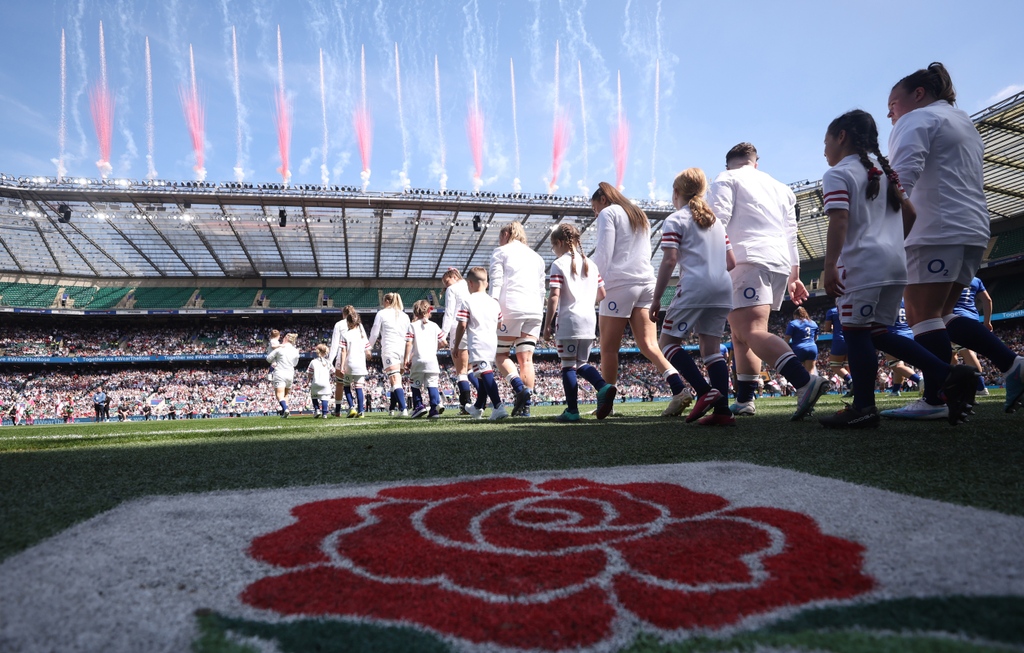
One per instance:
[(1004, 93)]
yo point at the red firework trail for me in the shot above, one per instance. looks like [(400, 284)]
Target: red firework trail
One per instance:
[(195, 120), (475, 130), (559, 145), (364, 134), (101, 104), (620, 143), (283, 119)]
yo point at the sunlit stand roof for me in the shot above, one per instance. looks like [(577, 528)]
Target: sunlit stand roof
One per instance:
[(124, 229)]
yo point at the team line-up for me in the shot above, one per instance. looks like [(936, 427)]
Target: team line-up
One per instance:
[(904, 231)]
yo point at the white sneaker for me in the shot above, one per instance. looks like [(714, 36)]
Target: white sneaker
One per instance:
[(498, 413), (743, 408), (983, 392), (391, 413), (405, 413), (677, 404), (918, 409), (808, 395), (474, 412)]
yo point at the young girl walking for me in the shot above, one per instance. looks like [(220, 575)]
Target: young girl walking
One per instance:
[(696, 241), (576, 287)]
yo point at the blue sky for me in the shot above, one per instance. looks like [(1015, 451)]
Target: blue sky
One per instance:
[(774, 74)]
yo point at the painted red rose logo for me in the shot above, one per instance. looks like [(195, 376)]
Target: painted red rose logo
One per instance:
[(566, 563)]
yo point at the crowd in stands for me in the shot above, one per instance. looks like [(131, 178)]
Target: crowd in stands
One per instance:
[(225, 390)]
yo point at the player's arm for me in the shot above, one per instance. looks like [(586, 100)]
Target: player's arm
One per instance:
[(604, 245), (549, 313), (984, 302), (450, 309), (909, 144), (374, 331), (836, 203), (272, 357), (332, 354), (669, 259), (496, 275)]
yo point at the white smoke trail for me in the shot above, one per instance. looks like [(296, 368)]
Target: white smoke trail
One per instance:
[(404, 174), (150, 148), (325, 177), (582, 183), (62, 131), (517, 185), (654, 147), (364, 174), (440, 132), (239, 168)]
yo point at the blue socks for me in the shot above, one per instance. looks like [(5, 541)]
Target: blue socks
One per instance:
[(348, 397), (973, 335), (682, 361), (862, 357), (914, 352), (417, 398), (793, 370), (488, 389), (675, 382), (571, 387), (400, 396), (284, 405), (517, 384), (718, 372), (592, 375), (359, 399), (435, 397), (324, 407)]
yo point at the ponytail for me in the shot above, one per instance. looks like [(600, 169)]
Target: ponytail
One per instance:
[(862, 132), (637, 218), (691, 185), (935, 81), (570, 235)]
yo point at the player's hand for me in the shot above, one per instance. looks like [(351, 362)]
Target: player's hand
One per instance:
[(833, 284), (654, 310), (988, 324), (798, 292)]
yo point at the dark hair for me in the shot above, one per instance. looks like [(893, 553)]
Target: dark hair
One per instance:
[(935, 81), (351, 316), (637, 218), (741, 151), (570, 235), (862, 133)]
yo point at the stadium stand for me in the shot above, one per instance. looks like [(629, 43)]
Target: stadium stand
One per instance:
[(292, 297), (227, 297), (410, 295), (107, 297), (358, 297), (1010, 243), (154, 297), (28, 295)]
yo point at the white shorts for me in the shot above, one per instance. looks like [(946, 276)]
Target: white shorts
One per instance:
[(752, 285), (621, 300), (283, 381), (707, 320), (463, 346), (353, 380), (878, 305), (574, 353), (389, 358), (479, 367), (321, 392), (424, 379), (943, 263), (511, 329)]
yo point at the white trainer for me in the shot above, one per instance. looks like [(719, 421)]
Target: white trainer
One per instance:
[(745, 408), (678, 403), (918, 409), (474, 412), (498, 413)]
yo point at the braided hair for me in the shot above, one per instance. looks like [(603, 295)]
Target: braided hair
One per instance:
[(692, 184), (570, 235), (860, 128)]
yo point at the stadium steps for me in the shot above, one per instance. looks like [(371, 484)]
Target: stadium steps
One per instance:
[(150, 297), (1007, 295), (811, 278), (79, 296), (1007, 244)]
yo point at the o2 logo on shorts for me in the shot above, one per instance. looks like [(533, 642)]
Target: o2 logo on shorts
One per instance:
[(866, 310), (937, 266), (681, 327), (503, 329), (751, 293), (612, 306), (571, 349)]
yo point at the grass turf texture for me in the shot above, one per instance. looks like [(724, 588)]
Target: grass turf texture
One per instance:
[(54, 476)]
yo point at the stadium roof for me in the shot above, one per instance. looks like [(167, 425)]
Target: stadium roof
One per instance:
[(128, 230)]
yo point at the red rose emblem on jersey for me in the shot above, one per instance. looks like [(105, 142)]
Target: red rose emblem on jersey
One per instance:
[(565, 563)]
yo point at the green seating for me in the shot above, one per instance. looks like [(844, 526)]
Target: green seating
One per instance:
[(227, 297), (1010, 243), (292, 297), (105, 298), (358, 297), (28, 295), (149, 297)]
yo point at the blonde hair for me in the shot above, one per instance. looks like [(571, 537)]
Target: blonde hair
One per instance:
[(291, 337), (570, 235), (421, 309), (351, 316), (321, 350), (514, 231), (451, 273), (394, 300), (637, 218), (691, 184)]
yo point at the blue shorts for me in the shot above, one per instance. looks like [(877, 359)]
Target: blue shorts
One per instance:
[(838, 346), (805, 353), (906, 332)]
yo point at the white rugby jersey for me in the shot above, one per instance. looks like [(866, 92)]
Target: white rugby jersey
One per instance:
[(704, 280), (320, 372), (453, 297), (424, 337), (284, 359), (481, 314), (577, 296), (624, 257), (355, 343), (759, 215), (390, 325), (873, 254), (937, 152), (517, 280)]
